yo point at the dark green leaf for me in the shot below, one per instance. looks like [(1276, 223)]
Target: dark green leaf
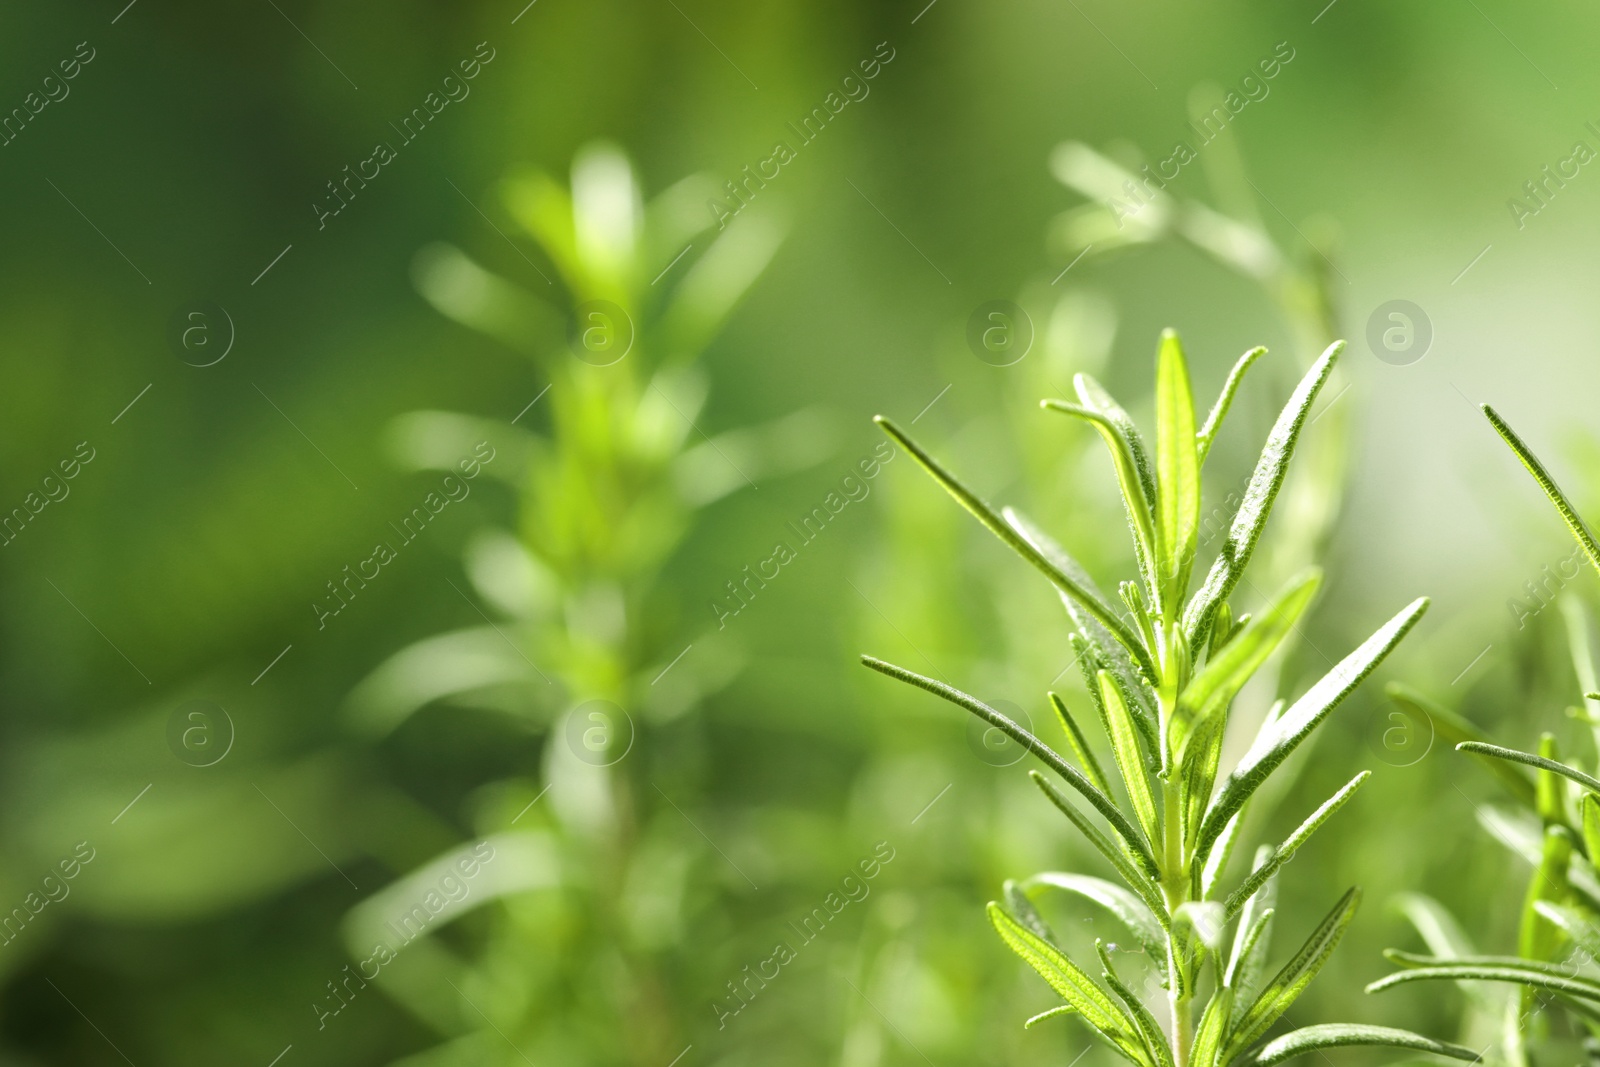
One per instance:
[(1480, 748), (1287, 985)]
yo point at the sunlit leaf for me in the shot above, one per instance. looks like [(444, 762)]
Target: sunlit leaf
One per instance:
[(1287, 985), (1139, 874), (1207, 434), (1285, 852), (1177, 470), (1569, 514), (1130, 761), (1134, 913), (1335, 1035), (1251, 518), (1282, 737)]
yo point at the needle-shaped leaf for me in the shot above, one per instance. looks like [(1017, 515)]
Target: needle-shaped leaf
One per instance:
[(1569, 514), (1488, 969), (1022, 909), (1454, 729), (1079, 745), (1177, 470), (1092, 394), (1588, 781), (1285, 852), (1130, 761), (1114, 656), (1090, 663), (1251, 517), (1139, 877), (1287, 985), (986, 515), (1213, 1030), (1197, 773), (1047, 755), (1063, 1009), (1127, 907), (1283, 736), (1137, 493), (1335, 1035), (1219, 681), (1590, 807), (1073, 986), (1537, 937), (1219, 411), (1155, 1042)]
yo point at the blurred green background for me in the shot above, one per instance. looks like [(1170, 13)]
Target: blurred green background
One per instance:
[(763, 766)]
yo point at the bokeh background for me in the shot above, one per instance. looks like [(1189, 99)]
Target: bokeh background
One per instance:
[(744, 765)]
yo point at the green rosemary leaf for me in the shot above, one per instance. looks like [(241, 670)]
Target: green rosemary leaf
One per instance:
[(1177, 471), (1079, 745), (1113, 655), (1141, 878), (1213, 1030), (1024, 911), (1197, 773), (1287, 985), (1520, 972), (1590, 806), (1219, 410), (1092, 394), (1284, 735), (1215, 686), (1073, 986), (1480, 748), (1285, 852), (1133, 912), (1130, 761), (1334, 1035), (1259, 495), (1445, 938), (1047, 755), (1569, 514), (1139, 505), (986, 515), (1155, 1042), (1064, 1009)]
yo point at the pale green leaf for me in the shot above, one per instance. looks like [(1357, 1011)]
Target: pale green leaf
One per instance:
[(1335, 1035), (1130, 761), (1133, 476), (1128, 865), (1588, 781), (1133, 912), (1259, 495), (1569, 514), (1492, 969), (1177, 471), (1155, 1042), (1285, 852), (1287, 985), (1284, 735), (1073, 986), (1079, 745), (1219, 411)]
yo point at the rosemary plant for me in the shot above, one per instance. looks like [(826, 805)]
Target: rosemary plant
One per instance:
[(1555, 824), (1163, 673)]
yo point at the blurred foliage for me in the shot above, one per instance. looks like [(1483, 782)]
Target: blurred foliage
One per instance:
[(371, 751)]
